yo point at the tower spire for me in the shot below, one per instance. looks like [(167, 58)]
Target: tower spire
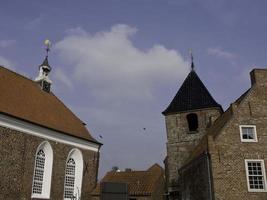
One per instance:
[(44, 70), (192, 59)]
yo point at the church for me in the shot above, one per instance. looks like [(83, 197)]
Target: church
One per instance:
[(46, 151), (214, 154)]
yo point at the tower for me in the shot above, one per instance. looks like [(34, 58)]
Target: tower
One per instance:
[(187, 117), (44, 69)]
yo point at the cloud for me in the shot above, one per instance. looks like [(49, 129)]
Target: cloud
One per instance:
[(118, 89), (110, 65), (6, 63), (7, 43), (218, 52), (59, 75)]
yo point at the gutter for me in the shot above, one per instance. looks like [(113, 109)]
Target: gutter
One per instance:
[(210, 180)]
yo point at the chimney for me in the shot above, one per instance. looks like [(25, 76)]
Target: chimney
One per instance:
[(259, 77)]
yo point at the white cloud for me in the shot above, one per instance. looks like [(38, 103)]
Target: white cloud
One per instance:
[(59, 75), (6, 63), (7, 43), (217, 51), (112, 66)]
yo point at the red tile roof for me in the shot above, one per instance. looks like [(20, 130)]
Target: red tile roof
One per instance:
[(139, 182), (23, 98)]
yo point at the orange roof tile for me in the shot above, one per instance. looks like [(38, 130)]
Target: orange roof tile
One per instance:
[(139, 182), (23, 98)]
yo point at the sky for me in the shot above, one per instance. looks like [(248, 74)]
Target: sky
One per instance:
[(117, 64)]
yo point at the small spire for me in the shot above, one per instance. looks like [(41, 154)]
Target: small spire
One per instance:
[(45, 63), (42, 79), (47, 46), (192, 59)]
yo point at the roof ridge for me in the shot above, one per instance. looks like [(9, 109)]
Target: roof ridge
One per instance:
[(16, 73)]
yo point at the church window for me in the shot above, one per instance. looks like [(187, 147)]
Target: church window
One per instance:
[(70, 178), (42, 171), (73, 175), (192, 121), (248, 133), (256, 178)]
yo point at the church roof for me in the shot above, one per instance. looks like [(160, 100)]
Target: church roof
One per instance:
[(23, 98), (192, 95), (139, 182)]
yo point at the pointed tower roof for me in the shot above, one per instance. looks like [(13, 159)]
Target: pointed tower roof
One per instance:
[(192, 95), (45, 63)]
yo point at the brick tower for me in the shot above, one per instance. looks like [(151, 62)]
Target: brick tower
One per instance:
[(187, 117)]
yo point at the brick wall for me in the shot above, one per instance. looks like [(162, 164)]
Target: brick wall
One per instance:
[(17, 154), (195, 179), (181, 142), (228, 153)]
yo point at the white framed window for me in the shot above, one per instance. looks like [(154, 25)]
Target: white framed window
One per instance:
[(73, 175), (256, 177), (248, 133), (41, 183)]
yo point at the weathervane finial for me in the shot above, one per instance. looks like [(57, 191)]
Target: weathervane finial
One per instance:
[(192, 59), (47, 46)]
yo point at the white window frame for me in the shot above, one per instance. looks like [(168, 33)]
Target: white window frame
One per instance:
[(263, 174), (77, 156), (248, 140), (47, 176)]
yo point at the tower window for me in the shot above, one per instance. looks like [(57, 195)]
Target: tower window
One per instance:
[(192, 122)]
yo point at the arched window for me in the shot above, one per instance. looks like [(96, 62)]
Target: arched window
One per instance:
[(192, 122), (42, 171), (73, 175)]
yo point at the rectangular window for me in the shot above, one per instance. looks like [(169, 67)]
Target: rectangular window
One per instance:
[(256, 178), (248, 133)]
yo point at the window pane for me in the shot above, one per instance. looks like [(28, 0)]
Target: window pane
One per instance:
[(69, 179), (248, 133), (39, 173), (255, 175)]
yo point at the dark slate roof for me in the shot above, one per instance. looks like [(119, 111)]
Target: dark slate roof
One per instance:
[(192, 95)]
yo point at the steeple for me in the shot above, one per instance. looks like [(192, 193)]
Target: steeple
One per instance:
[(192, 59), (44, 69), (192, 95)]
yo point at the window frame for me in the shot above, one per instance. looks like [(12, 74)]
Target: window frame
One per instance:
[(47, 174), (248, 140), (77, 156), (263, 175)]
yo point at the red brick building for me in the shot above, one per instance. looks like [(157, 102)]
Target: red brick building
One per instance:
[(46, 152)]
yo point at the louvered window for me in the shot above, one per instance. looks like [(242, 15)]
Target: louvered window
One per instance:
[(70, 179), (39, 173)]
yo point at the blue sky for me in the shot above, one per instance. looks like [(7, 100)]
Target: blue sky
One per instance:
[(118, 64)]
